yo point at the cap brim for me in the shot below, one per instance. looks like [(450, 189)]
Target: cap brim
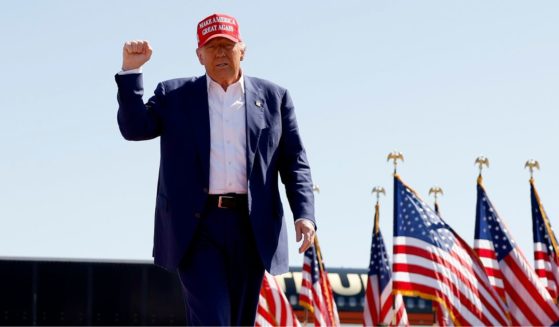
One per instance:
[(227, 36)]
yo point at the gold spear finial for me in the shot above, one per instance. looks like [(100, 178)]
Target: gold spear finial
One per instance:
[(531, 164), (378, 190), (481, 161), (435, 190), (316, 188), (395, 155)]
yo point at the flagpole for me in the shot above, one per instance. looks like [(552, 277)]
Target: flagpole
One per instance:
[(316, 189), (330, 302), (395, 156), (377, 191)]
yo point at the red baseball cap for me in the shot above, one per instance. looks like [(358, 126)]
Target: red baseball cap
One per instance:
[(218, 25)]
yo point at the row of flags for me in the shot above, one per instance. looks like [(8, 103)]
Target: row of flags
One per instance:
[(515, 280), (316, 296), (432, 261), (489, 284)]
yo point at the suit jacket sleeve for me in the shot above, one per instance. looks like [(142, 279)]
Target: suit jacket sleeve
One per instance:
[(138, 121), (294, 168)]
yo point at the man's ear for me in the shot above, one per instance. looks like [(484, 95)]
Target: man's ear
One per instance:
[(200, 56), (243, 54)]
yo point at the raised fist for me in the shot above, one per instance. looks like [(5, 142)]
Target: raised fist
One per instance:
[(135, 54)]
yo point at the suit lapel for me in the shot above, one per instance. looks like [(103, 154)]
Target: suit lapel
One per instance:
[(201, 115), (255, 106)]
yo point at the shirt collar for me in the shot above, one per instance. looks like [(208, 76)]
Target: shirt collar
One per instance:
[(240, 83)]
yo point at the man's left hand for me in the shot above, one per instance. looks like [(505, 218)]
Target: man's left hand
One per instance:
[(304, 228)]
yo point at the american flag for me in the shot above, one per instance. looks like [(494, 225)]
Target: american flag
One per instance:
[(529, 303), (441, 314), (273, 307), (316, 293), (379, 301), (433, 262), (546, 257)]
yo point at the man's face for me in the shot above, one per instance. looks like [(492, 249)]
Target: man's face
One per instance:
[(222, 59)]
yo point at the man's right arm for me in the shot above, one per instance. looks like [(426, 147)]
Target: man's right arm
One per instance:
[(137, 121)]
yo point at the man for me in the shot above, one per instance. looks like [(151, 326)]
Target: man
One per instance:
[(224, 139)]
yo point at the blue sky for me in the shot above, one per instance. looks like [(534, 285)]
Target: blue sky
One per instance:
[(441, 81)]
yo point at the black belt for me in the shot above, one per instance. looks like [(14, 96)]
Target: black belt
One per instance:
[(228, 201)]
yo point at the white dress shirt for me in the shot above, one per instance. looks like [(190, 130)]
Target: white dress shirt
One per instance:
[(227, 138)]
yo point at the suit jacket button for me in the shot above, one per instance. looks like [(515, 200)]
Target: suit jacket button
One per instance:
[(205, 190), (197, 215)]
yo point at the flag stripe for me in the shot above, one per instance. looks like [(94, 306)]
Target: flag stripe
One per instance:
[(319, 307), (263, 315), (520, 282), (485, 288), (401, 315), (386, 311), (273, 307), (422, 288), (425, 272), (370, 315), (421, 265), (422, 256), (521, 311)]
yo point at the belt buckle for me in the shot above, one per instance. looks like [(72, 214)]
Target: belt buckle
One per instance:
[(220, 201)]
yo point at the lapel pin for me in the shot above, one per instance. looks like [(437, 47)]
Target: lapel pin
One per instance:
[(258, 103)]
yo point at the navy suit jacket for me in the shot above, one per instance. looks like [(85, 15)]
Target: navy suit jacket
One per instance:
[(179, 114)]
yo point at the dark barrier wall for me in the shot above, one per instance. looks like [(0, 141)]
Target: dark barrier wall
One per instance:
[(58, 292)]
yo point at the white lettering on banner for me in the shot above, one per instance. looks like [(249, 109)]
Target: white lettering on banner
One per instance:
[(365, 280), (281, 280), (298, 278), (357, 282), (353, 288)]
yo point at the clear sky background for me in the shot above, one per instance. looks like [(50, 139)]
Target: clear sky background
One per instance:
[(441, 81)]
